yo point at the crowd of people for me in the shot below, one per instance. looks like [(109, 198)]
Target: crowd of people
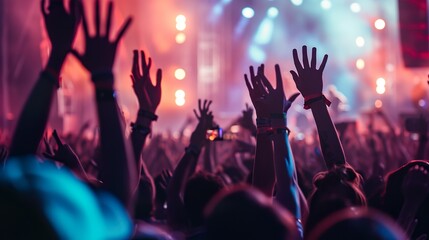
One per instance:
[(336, 182)]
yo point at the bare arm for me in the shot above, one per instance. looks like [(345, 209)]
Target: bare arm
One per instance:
[(186, 168), (61, 27), (117, 165), (308, 80)]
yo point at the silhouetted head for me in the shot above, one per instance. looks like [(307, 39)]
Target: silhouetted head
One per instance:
[(245, 213), (393, 197), (334, 190), (145, 199), (199, 190), (356, 224)]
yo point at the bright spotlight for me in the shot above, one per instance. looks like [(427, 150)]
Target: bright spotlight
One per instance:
[(180, 26), (326, 4), (180, 19), (272, 12), (360, 41), (180, 74), (379, 24), (380, 89), (180, 101), (180, 94), (248, 12), (180, 38), (380, 82), (360, 64), (296, 2), (355, 7)]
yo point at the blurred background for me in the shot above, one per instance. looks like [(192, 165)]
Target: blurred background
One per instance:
[(378, 56)]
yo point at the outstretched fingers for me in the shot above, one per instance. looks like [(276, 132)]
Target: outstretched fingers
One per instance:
[(279, 80), (109, 19), (296, 61), (135, 68), (313, 57), (323, 64), (305, 57), (123, 29)]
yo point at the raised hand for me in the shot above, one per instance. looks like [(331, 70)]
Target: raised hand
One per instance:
[(60, 25), (63, 154), (99, 55), (148, 95), (205, 122), (265, 98), (246, 121), (307, 77)]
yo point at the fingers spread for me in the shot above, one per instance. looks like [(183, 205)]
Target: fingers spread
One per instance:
[(123, 29), (109, 19), (323, 64), (296, 61), (313, 57), (305, 57), (279, 80)]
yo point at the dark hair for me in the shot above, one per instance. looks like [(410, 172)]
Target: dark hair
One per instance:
[(355, 224), (145, 199), (334, 190), (22, 216), (393, 198), (245, 213), (199, 190)]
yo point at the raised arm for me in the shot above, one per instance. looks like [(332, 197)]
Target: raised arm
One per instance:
[(117, 166), (149, 97), (263, 167), (61, 27), (186, 167), (275, 107), (308, 80)]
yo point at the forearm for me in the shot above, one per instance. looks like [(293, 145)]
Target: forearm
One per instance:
[(263, 167), (175, 211), (139, 132), (35, 114), (330, 143), (286, 187), (117, 166)]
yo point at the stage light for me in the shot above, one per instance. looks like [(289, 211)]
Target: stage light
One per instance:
[(180, 94), (326, 4), (257, 54), (380, 89), (265, 32), (180, 38), (248, 12), (272, 12), (360, 41), (422, 103), (381, 85), (180, 19), (180, 26), (379, 24), (355, 7), (378, 103), (235, 128), (180, 74), (380, 82), (296, 2), (180, 101), (360, 64)]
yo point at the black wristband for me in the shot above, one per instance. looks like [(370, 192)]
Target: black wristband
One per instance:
[(143, 130), (150, 115)]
